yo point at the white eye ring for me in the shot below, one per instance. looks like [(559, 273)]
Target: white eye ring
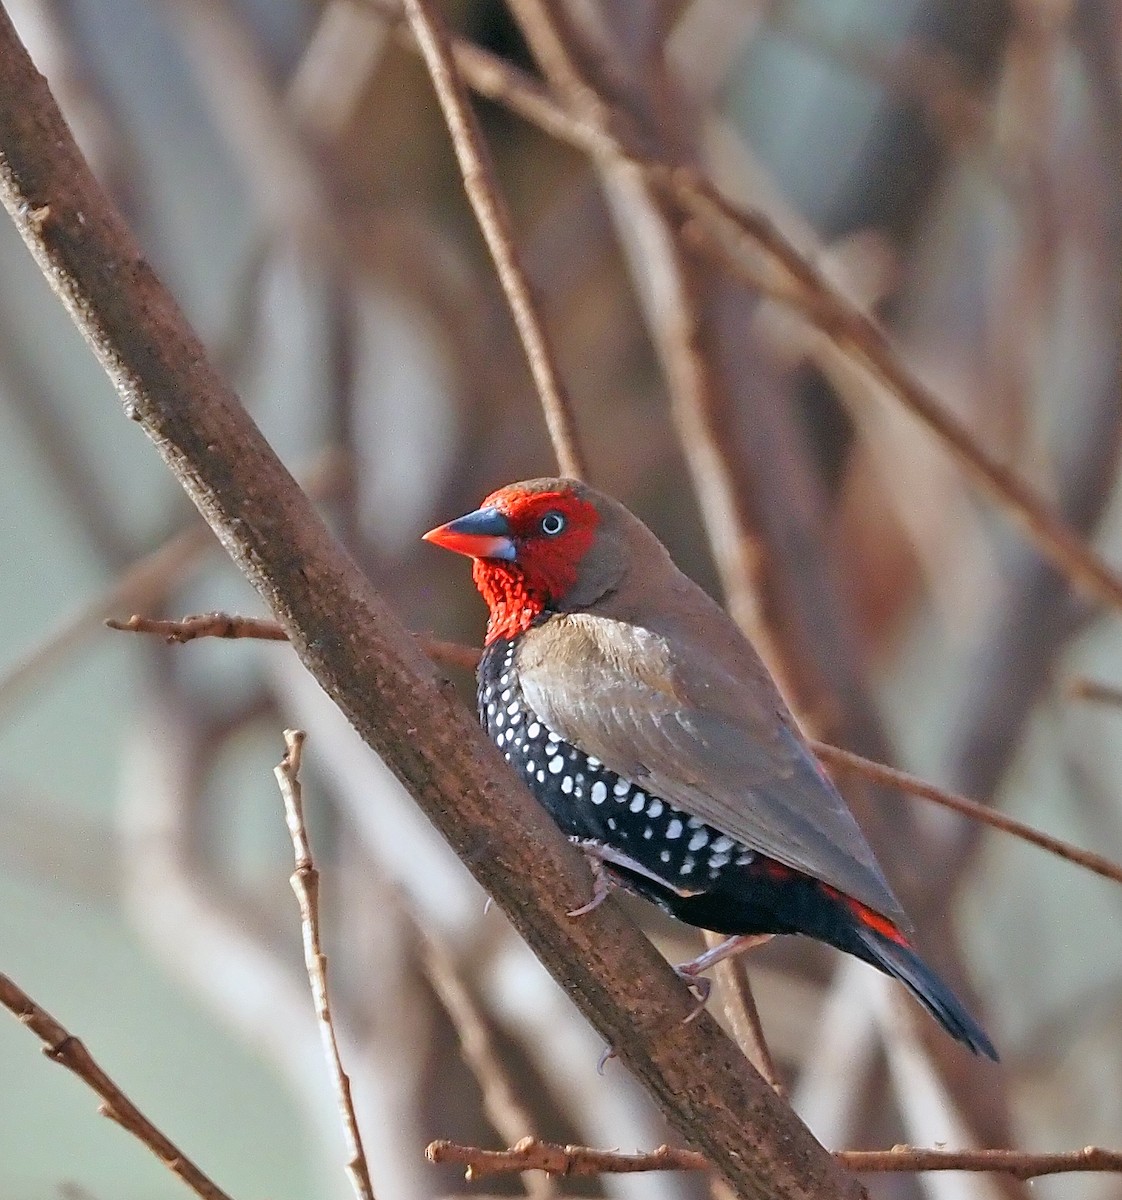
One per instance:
[(552, 524)]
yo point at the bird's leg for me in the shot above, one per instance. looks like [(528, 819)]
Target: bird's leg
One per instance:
[(691, 972), (602, 882)]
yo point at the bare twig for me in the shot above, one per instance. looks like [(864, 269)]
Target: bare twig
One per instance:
[(914, 786), (231, 625), (63, 1048), (213, 624), (1003, 1162), (532, 1155), (735, 993), (494, 220), (305, 883)]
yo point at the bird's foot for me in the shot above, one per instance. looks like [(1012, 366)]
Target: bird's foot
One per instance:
[(698, 984), (602, 882), (691, 972)]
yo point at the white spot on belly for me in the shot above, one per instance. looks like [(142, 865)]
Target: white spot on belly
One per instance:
[(533, 730), (698, 840), (555, 764), (567, 784), (599, 791), (674, 829), (636, 804)]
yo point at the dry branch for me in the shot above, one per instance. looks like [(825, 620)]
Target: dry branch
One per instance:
[(305, 884), (531, 1155), (62, 1047), (350, 641)]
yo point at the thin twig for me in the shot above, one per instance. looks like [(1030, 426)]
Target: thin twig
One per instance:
[(532, 1155), (231, 625), (66, 1050), (213, 624), (914, 786), (305, 883), (491, 212), (734, 990), (529, 1154)]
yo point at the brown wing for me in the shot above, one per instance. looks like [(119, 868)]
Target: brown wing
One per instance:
[(705, 745)]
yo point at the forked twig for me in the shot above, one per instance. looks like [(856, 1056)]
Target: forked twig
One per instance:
[(305, 883), (62, 1047)]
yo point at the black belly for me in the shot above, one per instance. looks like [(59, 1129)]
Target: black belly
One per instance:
[(686, 867)]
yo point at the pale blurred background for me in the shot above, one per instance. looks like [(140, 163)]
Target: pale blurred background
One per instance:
[(954, 163)]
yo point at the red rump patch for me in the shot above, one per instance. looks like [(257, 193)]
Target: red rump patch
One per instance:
[(547, 564), (868, 917)]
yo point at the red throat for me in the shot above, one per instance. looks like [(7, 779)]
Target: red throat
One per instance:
[(513, 605)]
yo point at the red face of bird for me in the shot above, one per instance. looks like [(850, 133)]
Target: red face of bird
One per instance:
[(528, 542)]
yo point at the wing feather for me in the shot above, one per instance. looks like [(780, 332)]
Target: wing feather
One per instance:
[(617, 691)]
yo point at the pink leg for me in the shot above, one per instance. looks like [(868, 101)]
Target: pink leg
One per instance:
[(691, 971)]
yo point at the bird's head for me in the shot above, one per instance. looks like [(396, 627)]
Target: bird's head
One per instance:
[(544, 545)]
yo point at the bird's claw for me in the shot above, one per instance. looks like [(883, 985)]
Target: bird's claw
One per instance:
[(700, 985), (601, 886)]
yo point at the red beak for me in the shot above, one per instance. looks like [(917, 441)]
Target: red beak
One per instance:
[(485, 533)]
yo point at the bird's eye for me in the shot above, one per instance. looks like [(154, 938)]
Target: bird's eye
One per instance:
[(552, 524)]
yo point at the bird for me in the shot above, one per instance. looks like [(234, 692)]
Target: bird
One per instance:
[(647, 725)]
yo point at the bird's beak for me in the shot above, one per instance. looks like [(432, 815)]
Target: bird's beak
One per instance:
[(485, 533)]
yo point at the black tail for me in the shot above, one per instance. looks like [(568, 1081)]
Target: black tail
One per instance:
[(901, 962)]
